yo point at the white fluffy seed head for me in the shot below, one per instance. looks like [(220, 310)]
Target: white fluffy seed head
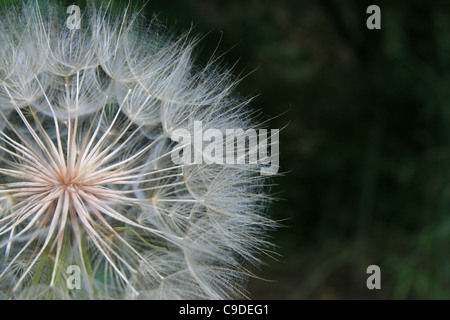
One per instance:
[(86, 173)]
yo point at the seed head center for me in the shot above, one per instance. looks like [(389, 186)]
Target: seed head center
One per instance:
[(69, 182)]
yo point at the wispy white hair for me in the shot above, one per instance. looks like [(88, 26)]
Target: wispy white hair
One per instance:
[(87, 178)]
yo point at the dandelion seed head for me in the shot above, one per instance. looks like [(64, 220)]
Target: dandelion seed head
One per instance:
[(86, 175)]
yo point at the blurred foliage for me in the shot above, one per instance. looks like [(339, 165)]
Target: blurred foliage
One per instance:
[(366, 150)]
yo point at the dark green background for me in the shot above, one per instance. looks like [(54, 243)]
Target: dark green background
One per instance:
[(366, 143)]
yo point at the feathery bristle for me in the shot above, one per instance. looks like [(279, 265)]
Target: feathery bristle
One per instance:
[(86, 170)]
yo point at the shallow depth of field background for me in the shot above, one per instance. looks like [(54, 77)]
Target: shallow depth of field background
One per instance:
[(366, 148)]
